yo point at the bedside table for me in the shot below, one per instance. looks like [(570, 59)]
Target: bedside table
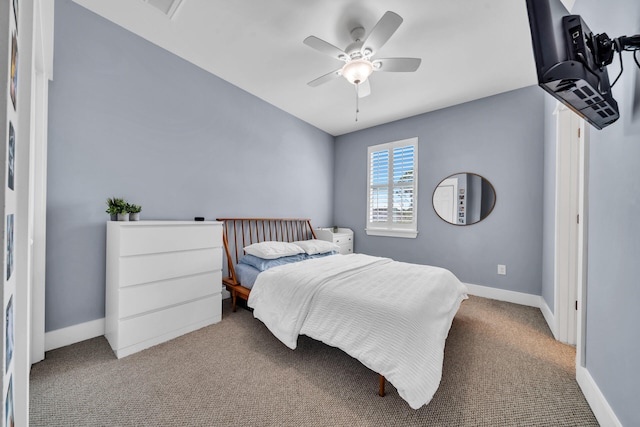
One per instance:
[(343, 238)]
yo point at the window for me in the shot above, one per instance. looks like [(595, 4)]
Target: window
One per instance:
[(392, 186)]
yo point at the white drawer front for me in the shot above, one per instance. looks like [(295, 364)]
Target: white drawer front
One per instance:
[(346, 249), (342, 239), (139, 299), (145, 239), (150, 268), (144, 328)]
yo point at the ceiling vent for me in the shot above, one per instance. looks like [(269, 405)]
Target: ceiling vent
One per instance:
[(168, 7)]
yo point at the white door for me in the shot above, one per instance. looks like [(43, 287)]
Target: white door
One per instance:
[(444, 199), (568, 257)]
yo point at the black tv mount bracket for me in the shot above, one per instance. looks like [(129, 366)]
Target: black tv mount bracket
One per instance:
[(604, 48)]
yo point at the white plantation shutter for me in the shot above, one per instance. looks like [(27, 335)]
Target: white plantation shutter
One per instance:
[(379, 186), (403, 164), (392, 189)]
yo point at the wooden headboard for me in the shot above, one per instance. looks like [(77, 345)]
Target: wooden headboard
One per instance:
[(240, 232)]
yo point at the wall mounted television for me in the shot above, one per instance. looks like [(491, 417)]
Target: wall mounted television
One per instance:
[(571, 61), (566, 65)]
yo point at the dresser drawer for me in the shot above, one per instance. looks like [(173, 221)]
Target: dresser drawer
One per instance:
[(342, 239), (145, 239), (135, 270), (150, 329), (135, 300), (346, 249)]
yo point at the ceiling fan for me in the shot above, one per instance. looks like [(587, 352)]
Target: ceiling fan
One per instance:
[(358, 56)]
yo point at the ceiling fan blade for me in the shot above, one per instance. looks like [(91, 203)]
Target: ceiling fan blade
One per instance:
[(397, 64), (325, 47), (364, 89), (323, 79), (384, 29)]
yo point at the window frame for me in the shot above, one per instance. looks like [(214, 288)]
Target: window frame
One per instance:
[(391, 229)]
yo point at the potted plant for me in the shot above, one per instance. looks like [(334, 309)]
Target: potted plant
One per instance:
[(134, 212), (112, 207), (122, 208)]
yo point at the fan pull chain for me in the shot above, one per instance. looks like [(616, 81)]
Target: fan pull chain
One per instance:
[(357, 101)]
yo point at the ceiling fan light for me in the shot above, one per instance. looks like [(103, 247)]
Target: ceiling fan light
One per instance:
[(357, 71)]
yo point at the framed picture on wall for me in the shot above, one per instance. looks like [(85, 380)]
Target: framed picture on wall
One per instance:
[(15, 12), (9, 334), (8, 406), (14, 70), (12, 156), (9, 245)]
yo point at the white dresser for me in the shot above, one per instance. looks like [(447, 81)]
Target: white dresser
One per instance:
[(343, 238), (164, 279)]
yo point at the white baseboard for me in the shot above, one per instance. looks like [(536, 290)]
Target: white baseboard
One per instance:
[(505, 295), (73, 334), (599, 405), (549, 317)]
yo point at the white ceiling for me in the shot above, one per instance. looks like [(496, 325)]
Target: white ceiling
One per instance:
[(470, 49)]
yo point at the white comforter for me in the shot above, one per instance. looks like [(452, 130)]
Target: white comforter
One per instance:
[(393, 317)]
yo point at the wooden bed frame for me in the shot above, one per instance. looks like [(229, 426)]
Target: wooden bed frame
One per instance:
[(240, 232)]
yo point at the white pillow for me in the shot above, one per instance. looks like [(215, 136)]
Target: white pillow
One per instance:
[(273, 250), (313, 247)]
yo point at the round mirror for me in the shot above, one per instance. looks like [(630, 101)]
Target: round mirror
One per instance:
[(464, 198)]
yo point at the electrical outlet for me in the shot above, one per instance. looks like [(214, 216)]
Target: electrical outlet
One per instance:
[(502, 269)]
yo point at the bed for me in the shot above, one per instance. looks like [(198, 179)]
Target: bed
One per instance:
[(393, 317)]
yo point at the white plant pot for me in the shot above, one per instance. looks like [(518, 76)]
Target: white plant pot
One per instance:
[(134, 216), (123, 216)]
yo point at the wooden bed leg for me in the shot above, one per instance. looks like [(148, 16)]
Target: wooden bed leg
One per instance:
[(233, 301), (381, 392)]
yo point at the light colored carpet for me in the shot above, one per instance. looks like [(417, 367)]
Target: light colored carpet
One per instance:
[(502, 368)]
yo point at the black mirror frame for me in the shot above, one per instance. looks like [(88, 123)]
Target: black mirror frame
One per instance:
[(495, 198)]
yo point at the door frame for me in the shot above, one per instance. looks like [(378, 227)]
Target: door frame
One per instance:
[(570, 230), (42, 72), (583, 245)]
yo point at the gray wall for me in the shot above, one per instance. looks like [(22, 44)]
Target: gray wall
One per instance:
[(613, 289), (500, 138), (129, 119)]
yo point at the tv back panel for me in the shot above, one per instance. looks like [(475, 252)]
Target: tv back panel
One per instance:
[(565, 65)]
